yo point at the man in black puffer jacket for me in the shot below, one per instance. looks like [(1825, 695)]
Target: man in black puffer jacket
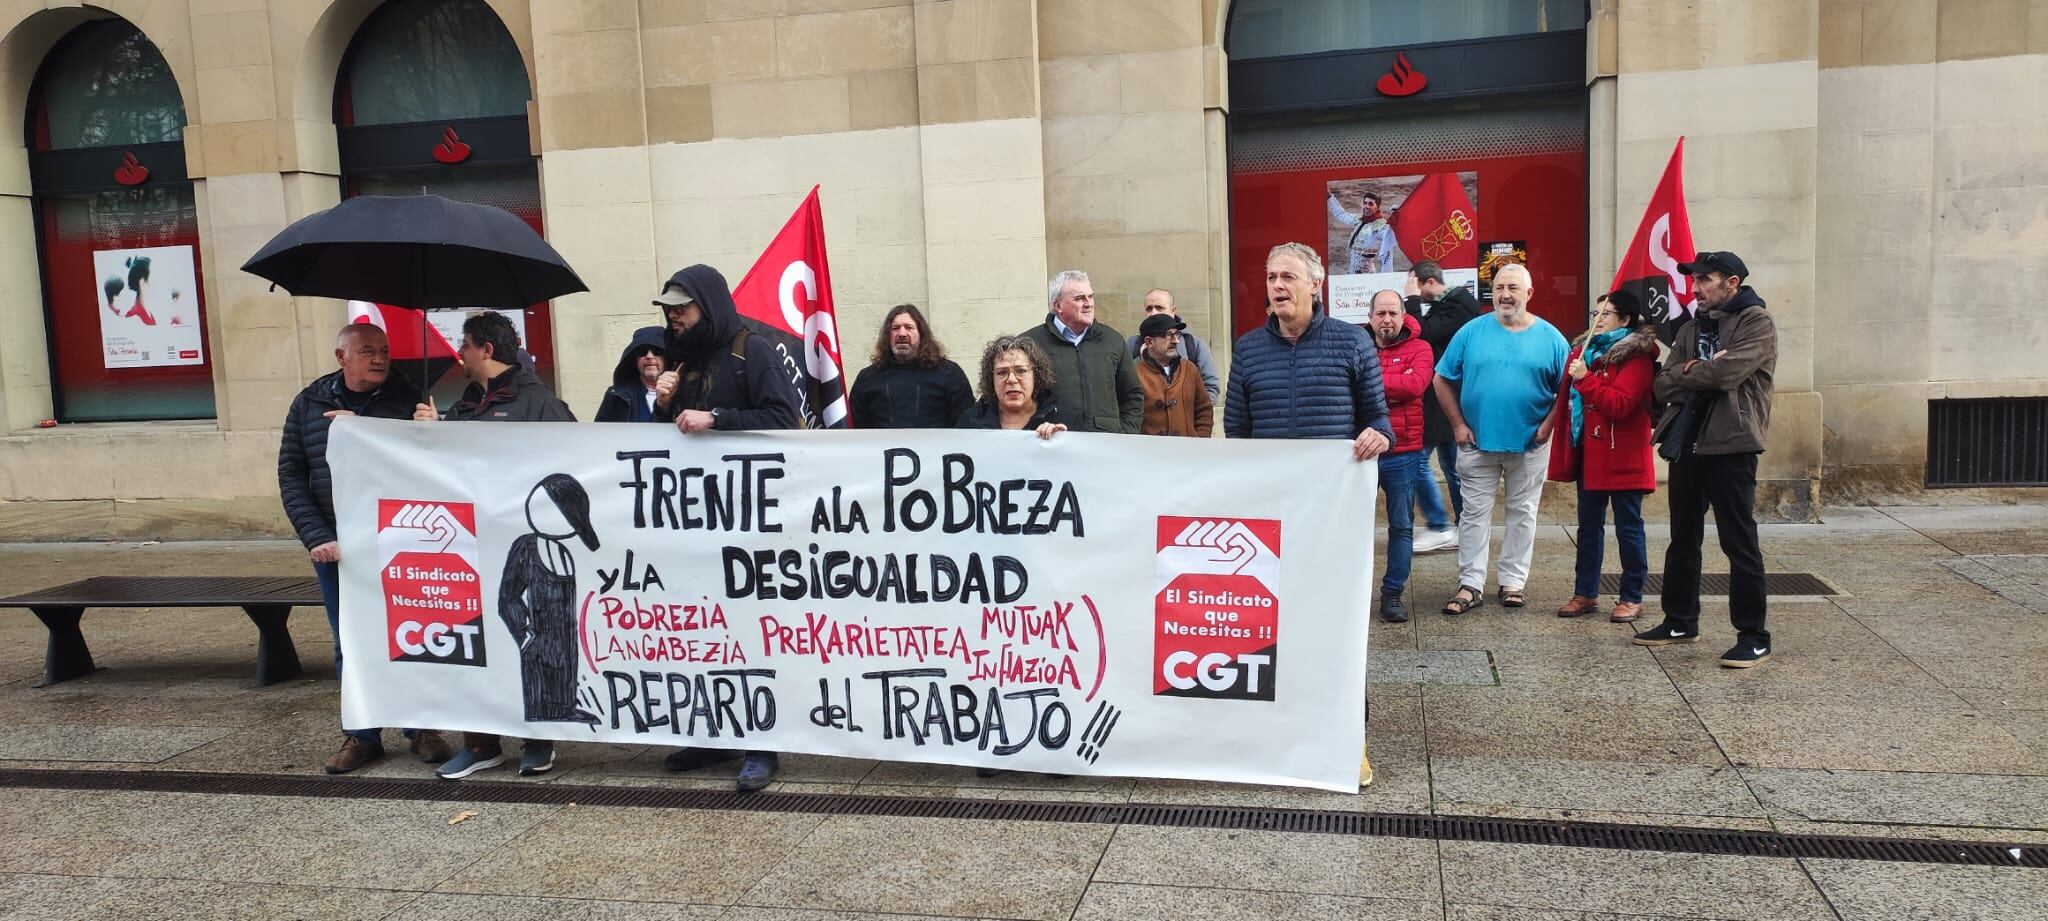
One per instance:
[(361, 387)]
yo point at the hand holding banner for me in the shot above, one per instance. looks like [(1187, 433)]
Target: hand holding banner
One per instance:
[(969, 598)]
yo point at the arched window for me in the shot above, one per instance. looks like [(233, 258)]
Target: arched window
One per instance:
[(117, 231), (1273, 28), (432, 98)]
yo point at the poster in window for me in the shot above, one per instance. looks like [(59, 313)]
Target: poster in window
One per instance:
[(149, 307), (1494, 255), (1380, 227)]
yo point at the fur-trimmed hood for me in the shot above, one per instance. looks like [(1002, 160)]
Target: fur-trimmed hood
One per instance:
[(1642, 341)]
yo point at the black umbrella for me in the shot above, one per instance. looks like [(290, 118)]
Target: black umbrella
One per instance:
[(420, 251)]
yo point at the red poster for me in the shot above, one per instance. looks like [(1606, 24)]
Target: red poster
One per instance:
[(1217, 608), (433, 598)]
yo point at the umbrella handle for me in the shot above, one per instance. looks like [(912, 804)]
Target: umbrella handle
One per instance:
[(425, 385)]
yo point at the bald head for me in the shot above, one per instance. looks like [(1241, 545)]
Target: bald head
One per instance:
[(1160, 300)]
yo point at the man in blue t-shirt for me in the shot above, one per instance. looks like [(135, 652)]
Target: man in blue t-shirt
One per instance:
[(1496, 382)]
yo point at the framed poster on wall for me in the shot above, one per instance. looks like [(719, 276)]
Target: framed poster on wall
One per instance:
[(1380, 227), (149, 302)]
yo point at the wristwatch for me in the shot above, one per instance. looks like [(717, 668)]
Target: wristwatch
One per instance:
[(714, 418)]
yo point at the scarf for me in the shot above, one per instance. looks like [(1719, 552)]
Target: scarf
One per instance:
[(1596, 346)]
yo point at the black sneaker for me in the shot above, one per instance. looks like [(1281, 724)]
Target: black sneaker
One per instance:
[(1392, 610), (1665, 634), (1745, 655)]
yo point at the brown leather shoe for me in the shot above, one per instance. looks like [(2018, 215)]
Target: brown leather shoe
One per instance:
[(1625, 612), (1579, 606), (431, 747), (354, 754)]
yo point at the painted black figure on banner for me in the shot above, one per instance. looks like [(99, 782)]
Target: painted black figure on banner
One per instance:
[(537, 599)]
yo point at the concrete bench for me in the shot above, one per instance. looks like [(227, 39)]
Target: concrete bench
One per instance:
[(267, 600)]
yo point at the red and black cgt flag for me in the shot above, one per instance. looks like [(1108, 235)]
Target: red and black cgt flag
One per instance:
[(1663, 240)]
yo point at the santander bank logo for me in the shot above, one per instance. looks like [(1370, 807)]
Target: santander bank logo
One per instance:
[(1402, 79), (131, 171), (451, 150)]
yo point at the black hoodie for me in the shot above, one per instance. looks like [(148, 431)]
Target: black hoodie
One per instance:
[(747, 392), (626, 400)]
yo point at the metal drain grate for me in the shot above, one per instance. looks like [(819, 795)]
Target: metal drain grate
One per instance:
[(1603, 835), (1716, 583)]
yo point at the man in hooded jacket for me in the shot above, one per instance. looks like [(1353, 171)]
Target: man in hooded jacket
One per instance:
[(727, 380), (639, 380)]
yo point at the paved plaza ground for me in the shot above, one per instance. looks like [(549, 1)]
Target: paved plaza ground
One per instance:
[(1914, 704)]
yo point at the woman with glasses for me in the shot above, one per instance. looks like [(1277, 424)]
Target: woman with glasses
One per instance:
[(1016, 389), (1603, 419)]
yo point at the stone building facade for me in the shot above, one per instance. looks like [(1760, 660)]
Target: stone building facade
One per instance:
[(1876, 161)]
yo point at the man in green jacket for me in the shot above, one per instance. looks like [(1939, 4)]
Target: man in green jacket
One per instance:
[(1717, 389), (1095, 381)]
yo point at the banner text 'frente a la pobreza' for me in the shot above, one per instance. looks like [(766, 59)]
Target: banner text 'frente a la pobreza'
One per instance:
[(1088, 604)]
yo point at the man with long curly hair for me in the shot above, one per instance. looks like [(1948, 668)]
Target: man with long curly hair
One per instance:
[(910, 384)]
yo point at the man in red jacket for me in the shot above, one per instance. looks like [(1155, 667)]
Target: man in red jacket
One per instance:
[(1406, 368)]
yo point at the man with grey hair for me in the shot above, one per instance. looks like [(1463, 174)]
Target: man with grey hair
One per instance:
[(1192, 348), (1304, 375), (1095, 379), (1497, 383), (362, 386)]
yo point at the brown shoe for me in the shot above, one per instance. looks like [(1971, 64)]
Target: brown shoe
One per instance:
[(431, 747), (1625, 612), (354, 754), (1579, 606)]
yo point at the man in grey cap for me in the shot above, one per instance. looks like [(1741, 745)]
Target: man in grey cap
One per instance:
[(1716, 388)]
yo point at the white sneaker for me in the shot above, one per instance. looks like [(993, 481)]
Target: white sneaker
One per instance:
[(1432, 541)]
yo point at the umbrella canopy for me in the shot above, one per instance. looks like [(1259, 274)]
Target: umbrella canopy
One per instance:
[(416, 251)]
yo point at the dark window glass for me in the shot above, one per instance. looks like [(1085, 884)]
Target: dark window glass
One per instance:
[(433, 60), (106, 86), (1272, 28)]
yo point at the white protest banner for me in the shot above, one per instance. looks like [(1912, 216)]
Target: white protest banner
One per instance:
[(1088, 604)]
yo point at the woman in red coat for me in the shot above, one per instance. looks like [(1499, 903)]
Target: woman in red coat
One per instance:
[(1603, 422)]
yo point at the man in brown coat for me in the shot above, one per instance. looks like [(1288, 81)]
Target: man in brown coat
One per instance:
[(1176, 402), (1717, 385)]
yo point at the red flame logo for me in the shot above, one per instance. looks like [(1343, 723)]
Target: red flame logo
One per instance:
[(130, 172), (1402, 79), (451, 149)]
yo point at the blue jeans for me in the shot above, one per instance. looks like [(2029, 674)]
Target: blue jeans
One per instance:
[(1397, 480), (1628, 532), (329, 575), (1425, 485)]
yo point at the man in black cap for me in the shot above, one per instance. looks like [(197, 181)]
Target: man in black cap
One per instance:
[(729, 380), (1176, 402), (1717, 391)]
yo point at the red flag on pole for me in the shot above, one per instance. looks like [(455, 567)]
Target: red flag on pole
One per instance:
[(402, 326), (787, 297), (1649, 269), (1437, 222)]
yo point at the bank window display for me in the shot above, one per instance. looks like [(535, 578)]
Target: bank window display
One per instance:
[(431, 99), (1275, 28), (117, 232)]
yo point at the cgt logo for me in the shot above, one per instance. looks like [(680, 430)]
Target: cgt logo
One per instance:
[(440, 642), (1216, 672), (433, 598)]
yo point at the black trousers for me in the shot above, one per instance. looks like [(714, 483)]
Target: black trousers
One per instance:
[(1727, 484)]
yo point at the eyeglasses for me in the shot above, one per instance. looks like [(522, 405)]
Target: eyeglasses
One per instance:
[(1597, 314), (1004, 374)]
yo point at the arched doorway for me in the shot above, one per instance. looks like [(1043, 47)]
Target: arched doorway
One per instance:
[(432, 98), (1384, 132), (117, 232)]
